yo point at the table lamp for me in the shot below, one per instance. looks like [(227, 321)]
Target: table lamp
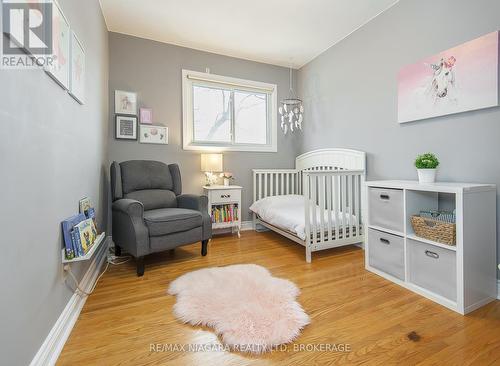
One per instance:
[(211, 163)]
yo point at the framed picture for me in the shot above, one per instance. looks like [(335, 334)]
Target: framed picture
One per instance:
[(61, 43), (84, 205), (126, 128), (150, 134), (460, 79), (146, 116), (77, 83), (125, 102)]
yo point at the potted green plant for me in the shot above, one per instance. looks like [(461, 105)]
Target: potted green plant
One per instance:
[(426, 165)]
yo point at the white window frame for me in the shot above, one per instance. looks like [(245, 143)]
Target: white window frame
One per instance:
[(190, 78)]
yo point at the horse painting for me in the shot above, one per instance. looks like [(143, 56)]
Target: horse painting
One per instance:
[(460, 79)]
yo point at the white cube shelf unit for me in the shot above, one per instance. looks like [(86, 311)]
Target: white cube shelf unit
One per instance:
[(460, 277)]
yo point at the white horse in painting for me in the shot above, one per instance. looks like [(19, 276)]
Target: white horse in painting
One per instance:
[(439, 91), (442, 85)]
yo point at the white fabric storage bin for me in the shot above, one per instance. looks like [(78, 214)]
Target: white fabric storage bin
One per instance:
[(433, 268), (386, 253), (386, 208)]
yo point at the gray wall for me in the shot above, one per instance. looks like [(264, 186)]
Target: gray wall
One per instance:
[(153, 70), (53, 152), (350, 94)]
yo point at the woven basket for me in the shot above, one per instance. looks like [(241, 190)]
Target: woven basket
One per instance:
[(435, 230)]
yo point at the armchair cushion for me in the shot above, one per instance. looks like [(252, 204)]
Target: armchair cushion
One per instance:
[(145, 174), (165, 221), (154, 198)]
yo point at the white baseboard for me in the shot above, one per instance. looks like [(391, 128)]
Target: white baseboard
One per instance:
[(246, 225), (54, 343)]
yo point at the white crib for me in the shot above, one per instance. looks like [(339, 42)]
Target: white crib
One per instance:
[(331, 179)]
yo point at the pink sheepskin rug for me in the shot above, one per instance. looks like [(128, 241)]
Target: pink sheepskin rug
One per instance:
[(250, 310)]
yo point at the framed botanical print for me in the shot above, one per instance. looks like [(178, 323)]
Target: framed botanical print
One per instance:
[(125, 102), (126, 127)]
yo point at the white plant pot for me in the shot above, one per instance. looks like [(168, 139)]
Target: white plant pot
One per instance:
[(226, 182), (426, 175)]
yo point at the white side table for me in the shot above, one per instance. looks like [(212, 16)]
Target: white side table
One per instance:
[(224, 206)]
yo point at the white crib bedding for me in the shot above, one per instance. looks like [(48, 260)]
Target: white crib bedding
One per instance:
[(287, 213)]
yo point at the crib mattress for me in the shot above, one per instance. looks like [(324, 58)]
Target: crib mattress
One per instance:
[(287, 213)]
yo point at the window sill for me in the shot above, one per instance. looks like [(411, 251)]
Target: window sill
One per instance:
[(242, 148)]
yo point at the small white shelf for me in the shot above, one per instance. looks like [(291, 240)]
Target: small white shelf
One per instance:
[(431, 242), (223, 225), (218, 187), (97, 243), (393, 232), (445, 187)]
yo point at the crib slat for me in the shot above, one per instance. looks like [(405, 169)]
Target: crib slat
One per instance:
[(322, 206), (343, 209), (313, 208), (349, 203), (329, 206), (336, 204), (307, 220), (356, 202)]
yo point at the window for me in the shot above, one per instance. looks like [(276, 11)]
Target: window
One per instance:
[(221, 113)]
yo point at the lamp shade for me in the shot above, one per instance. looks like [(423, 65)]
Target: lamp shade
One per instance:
[(211, 163)]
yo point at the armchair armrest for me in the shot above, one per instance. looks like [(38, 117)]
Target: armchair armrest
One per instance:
[(197, 203), (193, 202), (129, 230), (129, 207)]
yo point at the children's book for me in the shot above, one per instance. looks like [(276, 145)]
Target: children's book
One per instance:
[(91, 215), (87, 235), (67, 225), (75, 235)]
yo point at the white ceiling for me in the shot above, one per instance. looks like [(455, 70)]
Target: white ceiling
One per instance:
[(279, 32)]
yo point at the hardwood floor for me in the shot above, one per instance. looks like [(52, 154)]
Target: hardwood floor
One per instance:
[(127, 316)]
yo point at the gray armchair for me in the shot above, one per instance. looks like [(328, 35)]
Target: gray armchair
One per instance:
[(149, 212)]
